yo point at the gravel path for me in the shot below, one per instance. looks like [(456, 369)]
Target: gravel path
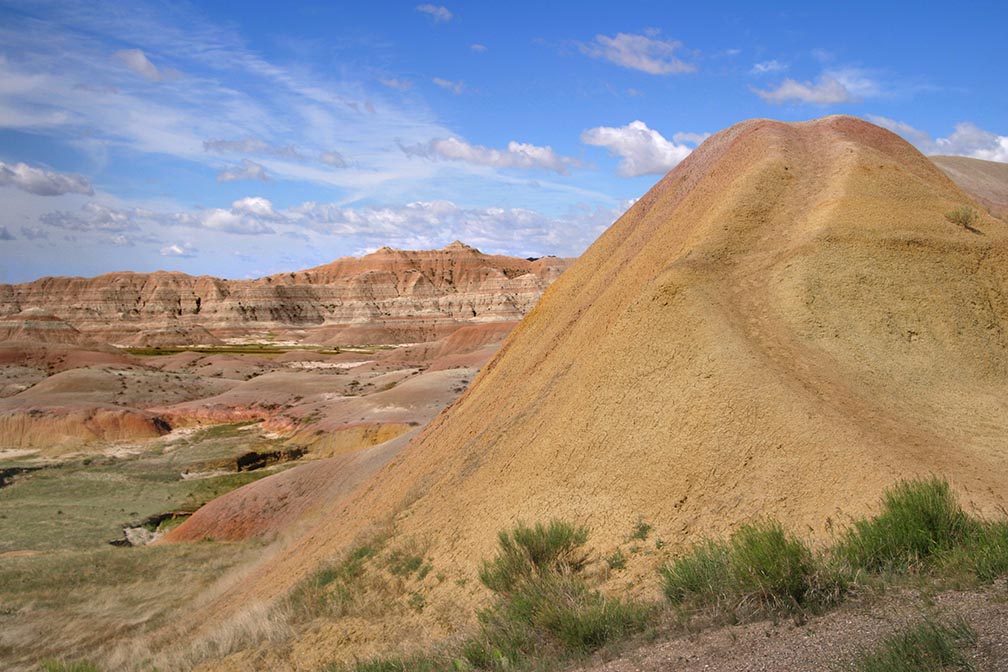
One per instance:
[(829, 642)]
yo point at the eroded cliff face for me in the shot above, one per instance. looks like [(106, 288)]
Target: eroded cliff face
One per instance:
[(390, 296)]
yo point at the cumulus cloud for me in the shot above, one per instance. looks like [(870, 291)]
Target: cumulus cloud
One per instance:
[(644, 151), (95, 217), (826, 91), (517, 154), (34, 233), (767, 67), (184, 250), (639, 52), (966, 140), (251, 146), (334, 159), (439, 13), (137, 61), (5, 234), (454, 87), (43, 182), (254, 205), (248, 170), (842, 85)]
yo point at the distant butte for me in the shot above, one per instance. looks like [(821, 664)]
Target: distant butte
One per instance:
[(388, 296)]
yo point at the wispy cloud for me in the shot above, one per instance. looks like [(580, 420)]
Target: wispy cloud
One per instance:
[(251, 146), (639, 52), (643, 151), (454, 87), (137, 61), (767, 67), (439, 13), (478, 48), (517, 154), (43, 182), (247, 170), (396, 83), (966, 140), (334, 159)]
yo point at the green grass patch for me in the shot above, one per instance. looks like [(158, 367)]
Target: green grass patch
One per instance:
[(919, 521), (332, 590), (760, 569), (528, 552), (923, 647)]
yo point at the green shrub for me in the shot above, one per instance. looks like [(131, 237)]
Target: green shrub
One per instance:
[(921, 647), (526, 552), (963, 215), (761, 568), (616, 560), (641, 531), (919, 520)]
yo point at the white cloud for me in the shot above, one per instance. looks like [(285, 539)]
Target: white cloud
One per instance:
[(454, 87), (840, 85), (478, 48), (644, 151), (241, 222), (437, 12), (768, 67), (43, 182), (96, 217), (251, 146), (254, 205), (334, 159), (517, 154), (5, 234), (248, 170), (34, 233), (137, 61), (966, 140), (639, 52), (185, 250), (826, 91)]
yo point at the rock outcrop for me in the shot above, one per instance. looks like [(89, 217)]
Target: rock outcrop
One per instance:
[(390, 296)]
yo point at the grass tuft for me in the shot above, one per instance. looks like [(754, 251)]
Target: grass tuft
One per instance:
[(63, 666), (922, 647), (526, 552), (963, 215), (919, 521), (759, 569)]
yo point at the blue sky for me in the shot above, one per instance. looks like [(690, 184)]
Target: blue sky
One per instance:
[(240, 139)]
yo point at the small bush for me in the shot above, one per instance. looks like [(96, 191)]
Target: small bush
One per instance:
[(963, 215), (919, 520), (526, 552), (641, 531), (761, 568), (617, 560), (331, 589), (925, 646)]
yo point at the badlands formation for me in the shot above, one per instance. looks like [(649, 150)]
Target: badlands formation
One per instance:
[(387, 297), (783, 326)]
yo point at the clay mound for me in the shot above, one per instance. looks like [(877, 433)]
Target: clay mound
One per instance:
[(785, 325), (56, 430), (173, 335), (470, 346), (986, 181), (38, 326), (57, 357), (280, 503)]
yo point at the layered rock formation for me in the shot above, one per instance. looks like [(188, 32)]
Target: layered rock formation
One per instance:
[(986, 181), (390, 296)]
